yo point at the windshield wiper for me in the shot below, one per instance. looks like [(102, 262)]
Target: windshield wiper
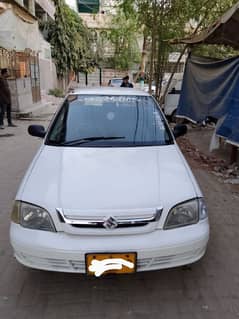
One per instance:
[(90, 139)]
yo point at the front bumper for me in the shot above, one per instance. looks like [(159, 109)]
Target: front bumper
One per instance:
[(66, 253)]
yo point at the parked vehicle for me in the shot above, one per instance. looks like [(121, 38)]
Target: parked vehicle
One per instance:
[(109, 190), (115, 82), (153, 88), (172, 99)]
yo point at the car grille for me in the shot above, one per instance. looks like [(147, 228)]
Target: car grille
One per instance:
[(157, 262), (110, 222), (72, 265), (54, 264)]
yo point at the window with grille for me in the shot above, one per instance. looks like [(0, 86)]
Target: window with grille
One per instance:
[(88, 6)]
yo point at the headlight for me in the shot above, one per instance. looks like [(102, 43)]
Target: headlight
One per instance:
[(202, 209), (186, 213), (31, 216)]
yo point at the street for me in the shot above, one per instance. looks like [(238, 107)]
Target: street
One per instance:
[(207, 289)]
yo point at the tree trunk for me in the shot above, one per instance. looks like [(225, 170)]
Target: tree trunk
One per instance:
[(153, 47), (143, 59)]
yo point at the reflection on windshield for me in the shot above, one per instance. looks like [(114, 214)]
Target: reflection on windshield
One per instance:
[(91, 117)]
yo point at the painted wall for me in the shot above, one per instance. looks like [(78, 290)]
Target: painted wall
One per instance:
[(21, 94)]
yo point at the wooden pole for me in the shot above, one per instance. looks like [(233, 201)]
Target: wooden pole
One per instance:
[(172, 74)]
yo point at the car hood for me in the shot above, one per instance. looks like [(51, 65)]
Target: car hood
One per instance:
[(98, 179)]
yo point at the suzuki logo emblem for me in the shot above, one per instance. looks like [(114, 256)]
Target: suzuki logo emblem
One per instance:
[(110, 223)]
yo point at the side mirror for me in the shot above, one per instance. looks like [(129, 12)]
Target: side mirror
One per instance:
[(37, 130), (179, 130)]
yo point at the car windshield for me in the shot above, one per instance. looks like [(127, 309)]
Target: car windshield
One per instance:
[(109, 121)]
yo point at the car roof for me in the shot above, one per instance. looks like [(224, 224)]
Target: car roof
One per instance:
[(109, 91)]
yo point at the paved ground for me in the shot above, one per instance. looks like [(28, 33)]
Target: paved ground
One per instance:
[(209, 289)]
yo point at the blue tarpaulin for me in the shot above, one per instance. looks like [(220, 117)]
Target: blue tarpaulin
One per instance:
[(211, 88)]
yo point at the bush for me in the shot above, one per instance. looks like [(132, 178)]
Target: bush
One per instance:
[(56, 92)]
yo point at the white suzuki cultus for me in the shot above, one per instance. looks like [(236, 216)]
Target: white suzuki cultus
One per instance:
[(109, 190)]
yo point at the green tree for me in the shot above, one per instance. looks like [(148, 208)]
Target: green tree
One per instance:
[(164, 20), (123, 38), (70, 40)]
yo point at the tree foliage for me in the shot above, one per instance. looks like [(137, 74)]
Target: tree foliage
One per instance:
[(123, 38), (70, 40), (176, 13), (163, 20)]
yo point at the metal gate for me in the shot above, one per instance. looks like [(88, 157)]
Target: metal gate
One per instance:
[(35, 78)]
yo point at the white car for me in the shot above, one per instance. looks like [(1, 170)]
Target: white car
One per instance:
[(172, 97), (115, 82), (108, 190)]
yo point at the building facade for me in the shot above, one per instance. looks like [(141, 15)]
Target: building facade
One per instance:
[(97, 15), (25, 52), (41, 9)]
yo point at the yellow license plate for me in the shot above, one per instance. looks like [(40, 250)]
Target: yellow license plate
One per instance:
[(110, 263)]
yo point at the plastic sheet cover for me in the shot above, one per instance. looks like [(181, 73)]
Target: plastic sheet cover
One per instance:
[(211, 88)]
